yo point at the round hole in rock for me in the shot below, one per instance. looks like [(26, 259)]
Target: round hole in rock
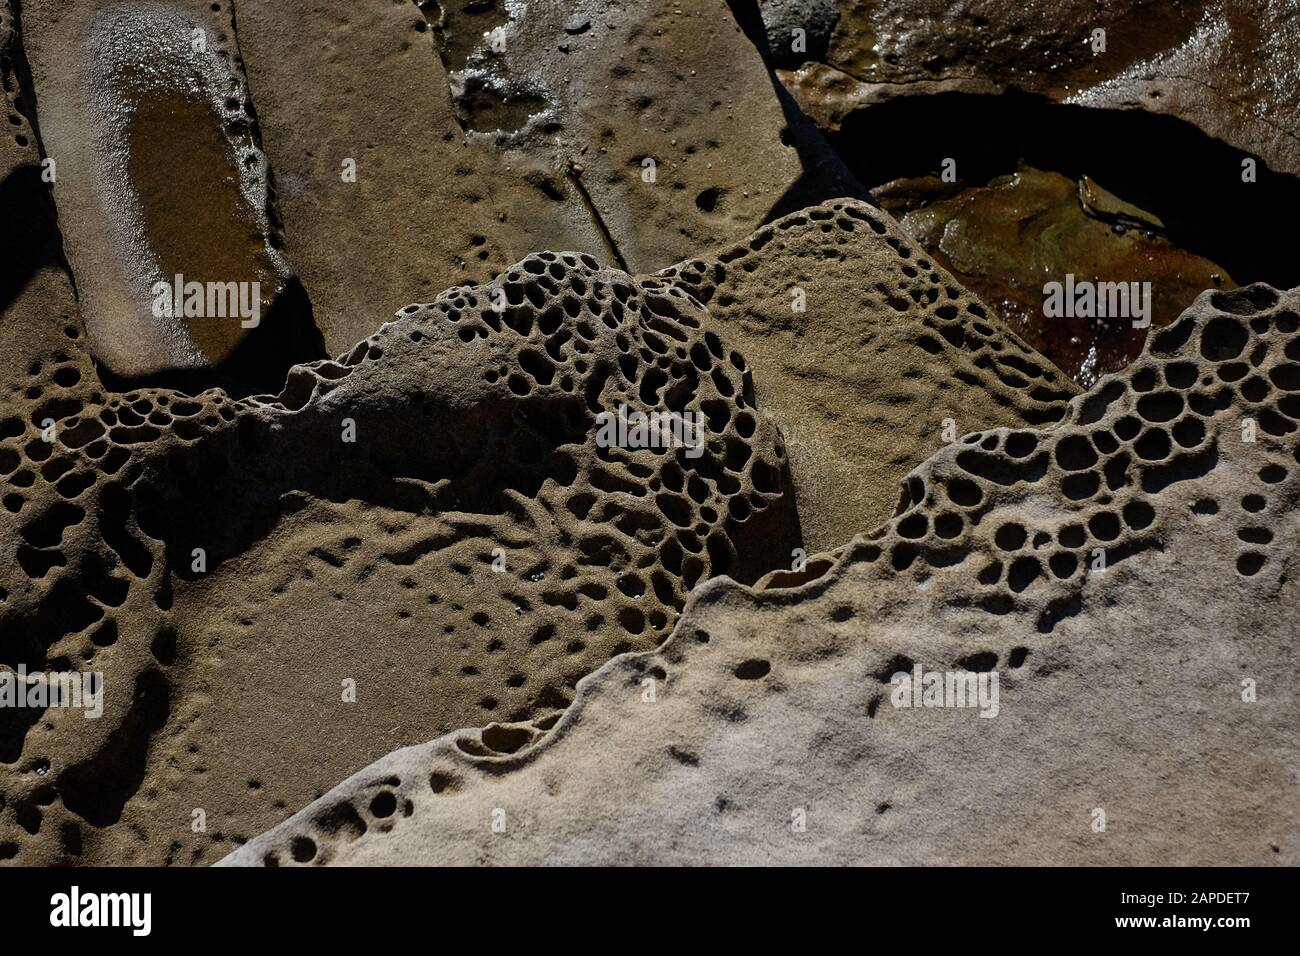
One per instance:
[(506, 740), (753, 669), (1063, 564), (440, 782), (1250, 563), (383, 805), (302, 849), (1138, 515), (1010, 537), (1104, 526)]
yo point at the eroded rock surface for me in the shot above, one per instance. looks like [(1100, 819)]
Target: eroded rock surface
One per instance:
[(1078, 562), (428, 524), (386, 486), (427, 533), (38, 309), (158, 173), (639, 134), (869, 353)]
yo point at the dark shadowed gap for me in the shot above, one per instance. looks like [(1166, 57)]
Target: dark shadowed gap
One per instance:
[(1162, 164), (30, 238), (287, 336), (824, 173)]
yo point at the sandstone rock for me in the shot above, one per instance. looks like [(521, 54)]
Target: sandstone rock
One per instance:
[(158, 174), (868, 353), (536, 136), (1220, 65), (798, 30), (473, 426), (1122, 573), (381, 196), (37, 303), (431, 533), (430, 525), (1151, 103)]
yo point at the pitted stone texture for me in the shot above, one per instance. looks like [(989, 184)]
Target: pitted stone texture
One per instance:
[(428, 524), (1122, 680), (870, 355), (536, 135), (368, 158)]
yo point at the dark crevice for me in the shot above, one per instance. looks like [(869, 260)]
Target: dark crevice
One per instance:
[(287, 336), (1161, 164), (31, 239), (825, 175), (575, 176)]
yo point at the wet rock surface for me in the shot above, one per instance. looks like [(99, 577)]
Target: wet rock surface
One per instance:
[(1226, 67), (968, 93), (158, 174), (1007, 240)]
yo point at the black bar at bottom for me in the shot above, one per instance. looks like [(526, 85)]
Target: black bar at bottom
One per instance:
[(338, 905)]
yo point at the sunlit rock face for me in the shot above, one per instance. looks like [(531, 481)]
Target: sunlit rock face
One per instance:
[(1062, 575), (700, 371), (164, 193)]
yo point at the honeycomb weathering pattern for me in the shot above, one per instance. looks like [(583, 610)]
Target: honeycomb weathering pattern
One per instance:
[(775, 701), (474, 431), (887, 345)]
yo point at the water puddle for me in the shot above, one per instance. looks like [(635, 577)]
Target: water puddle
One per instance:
[(1005, 241), (1038, 192), (195, 218), (182, 189)]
